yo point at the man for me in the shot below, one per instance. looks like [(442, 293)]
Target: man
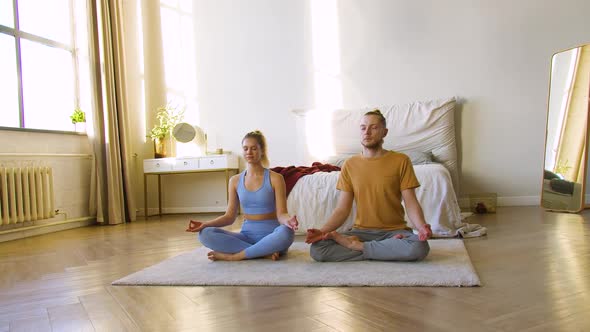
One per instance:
[(377, 180)]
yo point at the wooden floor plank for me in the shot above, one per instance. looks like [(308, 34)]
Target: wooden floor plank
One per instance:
[(70, 317), (31, 324), (106, 314)]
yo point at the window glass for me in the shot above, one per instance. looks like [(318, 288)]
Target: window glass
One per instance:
[(48, 90), (170, 3), (6, 13), (48, 19), (9, 113), (50, 69), (186, 6), (82, 53)]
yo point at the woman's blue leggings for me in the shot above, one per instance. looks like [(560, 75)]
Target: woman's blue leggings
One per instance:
[(258, 238)]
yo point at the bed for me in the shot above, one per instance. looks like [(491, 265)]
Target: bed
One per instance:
[(425, 131)]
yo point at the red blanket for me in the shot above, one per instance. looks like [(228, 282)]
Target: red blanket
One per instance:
[(292, 174)]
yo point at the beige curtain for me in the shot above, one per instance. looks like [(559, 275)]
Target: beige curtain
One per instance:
[(572, 144), (112, 190)]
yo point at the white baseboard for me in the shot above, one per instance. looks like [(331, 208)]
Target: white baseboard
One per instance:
[(44, 227), (180, 210), (519, 201), (463, 203)]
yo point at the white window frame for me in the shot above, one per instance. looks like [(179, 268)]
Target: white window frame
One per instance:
[(20, 35)]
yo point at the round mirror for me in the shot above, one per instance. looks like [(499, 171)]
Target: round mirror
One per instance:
[(187, 133), (184, 132)]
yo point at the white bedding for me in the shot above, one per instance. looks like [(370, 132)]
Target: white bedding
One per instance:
[(314, 197), (425, 127)]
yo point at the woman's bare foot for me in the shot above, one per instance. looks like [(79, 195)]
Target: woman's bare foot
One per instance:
[(350, 242), (219, 256), (274, 256)]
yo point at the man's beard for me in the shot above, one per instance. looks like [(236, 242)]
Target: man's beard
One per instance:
[(374, 145)]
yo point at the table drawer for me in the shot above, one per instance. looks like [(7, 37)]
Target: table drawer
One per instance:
[(158, 165), (213, 162), (186, 164)]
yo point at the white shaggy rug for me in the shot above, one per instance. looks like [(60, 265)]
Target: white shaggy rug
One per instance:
[(447, 264)]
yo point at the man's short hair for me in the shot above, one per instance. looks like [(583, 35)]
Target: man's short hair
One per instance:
[(378, 114)]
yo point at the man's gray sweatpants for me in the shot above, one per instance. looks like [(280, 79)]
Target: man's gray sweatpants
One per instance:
[(378, 245)]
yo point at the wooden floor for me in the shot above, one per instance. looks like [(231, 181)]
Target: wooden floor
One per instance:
[(534, 266)]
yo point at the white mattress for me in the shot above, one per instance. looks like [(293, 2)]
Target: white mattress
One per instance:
[(314, 197)]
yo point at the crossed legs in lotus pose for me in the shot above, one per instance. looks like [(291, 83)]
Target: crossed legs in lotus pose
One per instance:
[(256, 239)]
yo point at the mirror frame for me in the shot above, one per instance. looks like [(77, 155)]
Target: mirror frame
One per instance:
[(586, 173), (584, 160)]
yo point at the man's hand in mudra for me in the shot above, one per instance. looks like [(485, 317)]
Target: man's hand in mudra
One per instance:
[(314, 235)]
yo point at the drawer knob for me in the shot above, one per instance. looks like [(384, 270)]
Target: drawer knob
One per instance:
[(211, 162)]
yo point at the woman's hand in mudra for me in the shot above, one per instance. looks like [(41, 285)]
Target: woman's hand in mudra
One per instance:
[(195, 226), (293, 223)]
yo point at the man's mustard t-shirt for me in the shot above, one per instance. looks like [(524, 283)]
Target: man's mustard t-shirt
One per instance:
[(377, 184)]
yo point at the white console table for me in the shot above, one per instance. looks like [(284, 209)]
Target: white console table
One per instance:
[(227, 163)]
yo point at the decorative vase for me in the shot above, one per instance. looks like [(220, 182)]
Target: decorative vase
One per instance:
[(160, 147), (80, 127)]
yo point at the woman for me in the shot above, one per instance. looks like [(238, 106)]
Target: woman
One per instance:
[(268, 230)]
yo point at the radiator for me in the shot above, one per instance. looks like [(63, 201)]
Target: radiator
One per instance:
[(26, 194)]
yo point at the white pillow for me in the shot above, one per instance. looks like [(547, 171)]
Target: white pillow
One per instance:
[(418, 126)]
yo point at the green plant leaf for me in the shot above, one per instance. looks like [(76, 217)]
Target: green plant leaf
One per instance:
[(78, 116), (168, 116)]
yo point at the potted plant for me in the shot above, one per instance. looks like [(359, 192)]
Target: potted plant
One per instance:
[(79, 120), (168, 116)]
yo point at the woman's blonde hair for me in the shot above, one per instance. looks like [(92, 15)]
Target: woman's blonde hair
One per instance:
[(259, 137)]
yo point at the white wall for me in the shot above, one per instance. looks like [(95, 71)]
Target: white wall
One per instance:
[(253, 67), (255, 62)]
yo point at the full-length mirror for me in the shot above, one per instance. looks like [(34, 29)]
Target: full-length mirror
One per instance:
[(566, 160)]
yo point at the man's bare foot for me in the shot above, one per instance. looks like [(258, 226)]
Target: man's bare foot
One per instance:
[(219, 256), (274, 256), (350, 242)]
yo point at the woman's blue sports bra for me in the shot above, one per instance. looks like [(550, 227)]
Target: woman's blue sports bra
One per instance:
[(260, 201)]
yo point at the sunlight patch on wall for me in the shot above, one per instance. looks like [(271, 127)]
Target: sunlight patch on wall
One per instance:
[(178, 42), (327, 81)]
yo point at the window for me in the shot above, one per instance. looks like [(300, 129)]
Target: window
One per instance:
[(41, 45)]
